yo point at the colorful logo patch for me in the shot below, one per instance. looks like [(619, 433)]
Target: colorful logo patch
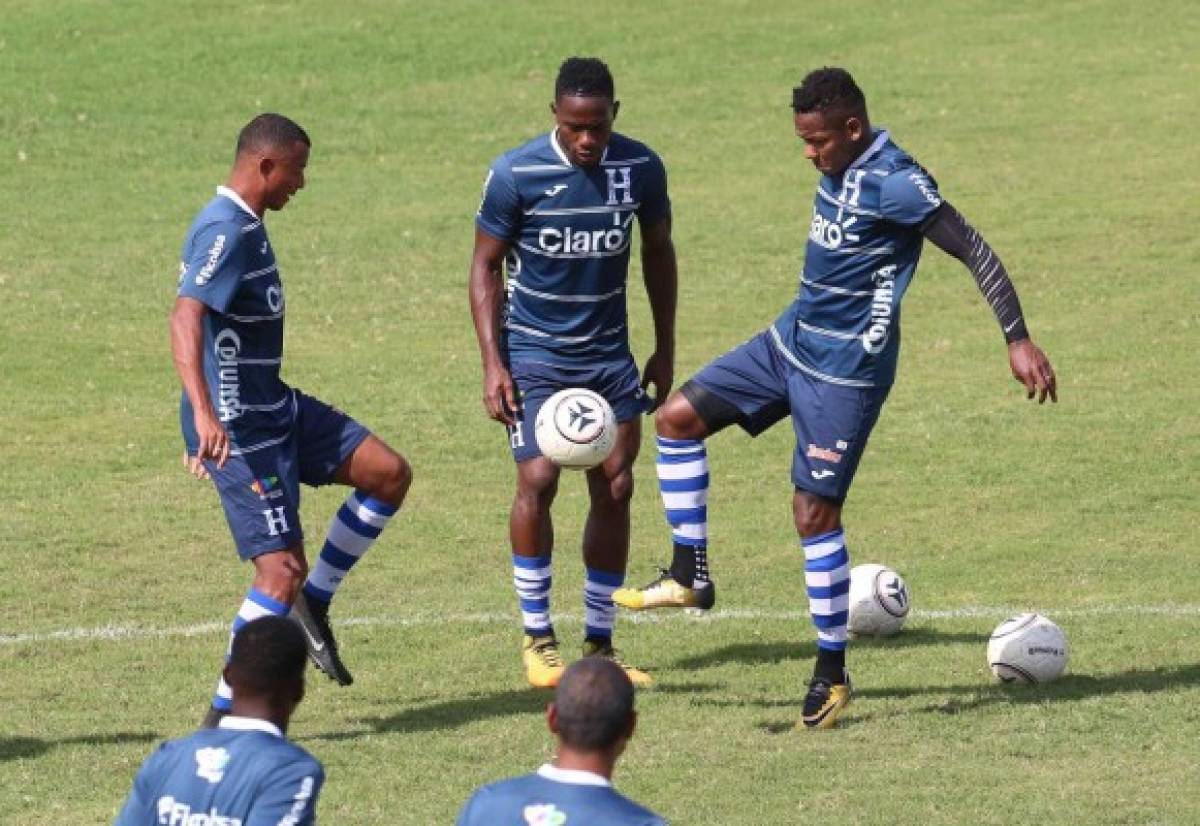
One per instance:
[(267, 487)]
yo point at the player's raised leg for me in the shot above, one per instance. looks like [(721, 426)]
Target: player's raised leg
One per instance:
[(606, 545), (531, 532)]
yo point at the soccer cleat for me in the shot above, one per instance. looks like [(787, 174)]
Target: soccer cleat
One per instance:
[(313, 618), (594, 648), (825, 701), (543, 663), (213, 717), (666, 592)]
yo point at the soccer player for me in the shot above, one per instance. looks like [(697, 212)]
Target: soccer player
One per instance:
[(548, 282), (244, 771), (592, 719), (828, 361), (255, 436)]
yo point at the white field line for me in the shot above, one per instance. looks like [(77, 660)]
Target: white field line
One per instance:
[(138, 632)]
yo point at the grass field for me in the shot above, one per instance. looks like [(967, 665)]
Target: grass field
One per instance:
[(1062, 130)]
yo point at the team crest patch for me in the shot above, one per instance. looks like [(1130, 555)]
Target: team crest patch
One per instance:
[(546, 814), (267, 487), (211, 763)]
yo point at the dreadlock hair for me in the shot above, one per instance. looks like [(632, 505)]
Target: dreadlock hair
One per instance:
[(271, 131), (584, 77), (829, 89)]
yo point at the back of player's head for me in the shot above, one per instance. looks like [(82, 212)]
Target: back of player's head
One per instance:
[(270, 131), (594, 702), (584, 77), (829, 90), (267, 658)]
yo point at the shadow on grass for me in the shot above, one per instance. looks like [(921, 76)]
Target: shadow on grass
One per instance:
[(754, 653), (17, 748)]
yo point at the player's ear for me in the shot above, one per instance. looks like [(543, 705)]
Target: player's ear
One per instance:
[(552, 718), (553, 108), (616, 108), (854, 127), (632, 725)]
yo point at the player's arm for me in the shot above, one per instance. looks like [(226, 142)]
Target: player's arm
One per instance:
[(950, 232), (661, 276), (187, 350), (487, 297)]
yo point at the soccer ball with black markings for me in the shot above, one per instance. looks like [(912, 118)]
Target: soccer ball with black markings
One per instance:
[(879, 601), (575, 428), (1027, 648)]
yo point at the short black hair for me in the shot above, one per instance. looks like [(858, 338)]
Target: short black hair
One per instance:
[(268, 656), (594, 699), (584, 77), (273, 131), (829, 89)]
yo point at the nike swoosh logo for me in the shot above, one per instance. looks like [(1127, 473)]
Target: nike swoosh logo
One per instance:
[(317, 647), (821, 474), (554, 190)]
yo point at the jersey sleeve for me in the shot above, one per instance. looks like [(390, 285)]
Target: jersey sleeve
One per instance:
[(499, 212), (474, 811), (909, 196), (288, 796), (656, 204), (137, 805), (211, 271)]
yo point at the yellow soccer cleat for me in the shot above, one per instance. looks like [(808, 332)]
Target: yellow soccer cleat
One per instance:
[(543, 663), (826, 701), (666, 592), (639, 678)]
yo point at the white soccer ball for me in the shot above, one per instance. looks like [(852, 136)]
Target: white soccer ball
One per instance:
[(1027, 648), (879, 601), (576, 428)]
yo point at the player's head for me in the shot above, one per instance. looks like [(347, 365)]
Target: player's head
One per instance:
[(266, 669), (275, 150), (584, 108), (831, 118), (592, 712)]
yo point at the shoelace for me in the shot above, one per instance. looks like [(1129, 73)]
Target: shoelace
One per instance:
[(548, 651), (663, 574)]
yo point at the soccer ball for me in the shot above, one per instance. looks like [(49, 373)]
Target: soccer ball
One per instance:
[(1027, 648), (576, 428), (879, 601)]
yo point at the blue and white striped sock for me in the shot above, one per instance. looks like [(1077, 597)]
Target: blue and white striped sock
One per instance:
[(255, 605), (827, 576), (354, 529), (600, 613), (531, 577), (683, 482)]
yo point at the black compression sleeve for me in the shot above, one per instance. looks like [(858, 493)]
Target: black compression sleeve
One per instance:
[(951, 233)]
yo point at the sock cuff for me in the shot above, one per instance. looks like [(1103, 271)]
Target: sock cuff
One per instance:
[(531, 563), (828, 536), (376, 506), (608, 578), (260, 599)]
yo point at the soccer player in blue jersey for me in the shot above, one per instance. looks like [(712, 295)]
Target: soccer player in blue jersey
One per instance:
[(828, 362), (244, 771), (548, 297), (255, 436), (592, 719)]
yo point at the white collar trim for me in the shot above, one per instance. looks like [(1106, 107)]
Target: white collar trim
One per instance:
[(237, 199), (249, 724), (562, 155), (574, 776), (880, 139)]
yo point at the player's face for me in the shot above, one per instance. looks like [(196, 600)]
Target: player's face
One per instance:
[(284, 174), (831, 140), (584, 126)]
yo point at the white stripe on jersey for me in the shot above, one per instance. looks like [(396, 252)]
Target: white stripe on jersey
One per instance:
[(821, 331), (263, 408), (829, 288), (250, 319), (540, 167), (856, 210), (520, 328), (584, 210), (260, 361), (627, 161), (238, 451), (264, 271), (517, 285), (251, 227), (804, 368)]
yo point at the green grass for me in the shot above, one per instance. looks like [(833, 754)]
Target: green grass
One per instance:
[(1063, 131)]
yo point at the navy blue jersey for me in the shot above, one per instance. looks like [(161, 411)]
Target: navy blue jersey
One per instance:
[(228, 265), (243, 773), (863, 246), (570, 228), (554, 797)]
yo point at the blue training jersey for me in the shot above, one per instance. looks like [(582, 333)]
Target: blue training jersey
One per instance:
[(229, 266), (243, 773), (554, 797), (863, 246), (570, 229)]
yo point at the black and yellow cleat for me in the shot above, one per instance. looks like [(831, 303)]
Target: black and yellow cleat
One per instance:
[(666, 592), (825, 701), (594, 648), (543, 664)]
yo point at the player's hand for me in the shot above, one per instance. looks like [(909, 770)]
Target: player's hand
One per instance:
[(1031, 368), (659, 371), (194, 466), (214, 441), (499, 394)]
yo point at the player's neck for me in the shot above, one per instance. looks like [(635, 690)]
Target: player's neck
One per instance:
[(251, 195), (258, 709), (585, 761)]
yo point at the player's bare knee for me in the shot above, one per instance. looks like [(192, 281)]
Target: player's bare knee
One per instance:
[(538, 482), (676, 419), (397, 482), (614, 492)]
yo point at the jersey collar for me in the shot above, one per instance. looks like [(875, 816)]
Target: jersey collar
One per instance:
[(881, 137), (574, 776), (226, 192), (562, 156), (249, 724)]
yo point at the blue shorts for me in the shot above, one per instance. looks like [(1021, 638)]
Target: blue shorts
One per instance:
[(260, 483), (831, 421), (536, 381)]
